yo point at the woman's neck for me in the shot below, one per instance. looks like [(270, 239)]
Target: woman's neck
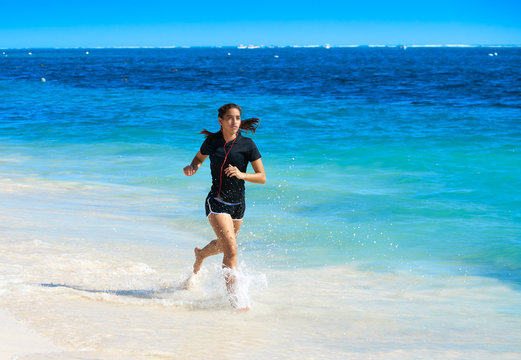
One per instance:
[(229, 137)]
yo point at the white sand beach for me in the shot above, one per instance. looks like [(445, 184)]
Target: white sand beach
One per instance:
[(20, 341)]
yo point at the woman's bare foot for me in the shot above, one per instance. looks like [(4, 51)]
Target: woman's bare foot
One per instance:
[(198, 260)]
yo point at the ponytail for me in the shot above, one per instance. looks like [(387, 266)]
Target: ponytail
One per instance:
[(250, 125), (206, 133)]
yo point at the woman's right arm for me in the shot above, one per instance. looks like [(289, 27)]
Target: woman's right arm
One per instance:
[(195, 165)]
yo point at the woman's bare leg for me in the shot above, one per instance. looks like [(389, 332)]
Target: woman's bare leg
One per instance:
[(213, 248), (225, 229)]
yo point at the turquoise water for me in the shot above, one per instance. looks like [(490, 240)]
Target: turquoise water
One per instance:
[(423, 176)]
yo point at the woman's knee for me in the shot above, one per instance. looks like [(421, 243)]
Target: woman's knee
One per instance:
[(229, 246)]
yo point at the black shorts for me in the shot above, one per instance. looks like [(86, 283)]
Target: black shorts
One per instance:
[(217, 206)]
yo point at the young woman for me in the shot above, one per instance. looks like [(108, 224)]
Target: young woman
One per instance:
[(230, 154)]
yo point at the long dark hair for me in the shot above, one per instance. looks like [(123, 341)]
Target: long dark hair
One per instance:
[(249, 125)]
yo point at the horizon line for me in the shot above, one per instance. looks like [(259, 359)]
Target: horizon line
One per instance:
[(251, 46)]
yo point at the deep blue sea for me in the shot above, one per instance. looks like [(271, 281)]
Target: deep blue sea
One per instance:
[(381, 158)]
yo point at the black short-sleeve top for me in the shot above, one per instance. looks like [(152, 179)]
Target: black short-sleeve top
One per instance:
[(240, 152)]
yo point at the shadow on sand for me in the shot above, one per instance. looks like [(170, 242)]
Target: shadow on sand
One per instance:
[(142, 294)]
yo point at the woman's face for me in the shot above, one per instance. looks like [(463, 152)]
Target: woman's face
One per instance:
[(231, 121)]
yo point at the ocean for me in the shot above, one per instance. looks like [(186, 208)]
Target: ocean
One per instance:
[(389, 226)]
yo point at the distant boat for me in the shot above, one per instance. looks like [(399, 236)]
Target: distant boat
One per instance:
[(327, 46)]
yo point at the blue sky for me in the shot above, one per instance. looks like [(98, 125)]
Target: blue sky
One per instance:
[(58, 23)]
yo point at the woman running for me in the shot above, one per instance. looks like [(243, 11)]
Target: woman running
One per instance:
[(230, 154)]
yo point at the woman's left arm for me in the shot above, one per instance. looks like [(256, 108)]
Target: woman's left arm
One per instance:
[(259, 177)]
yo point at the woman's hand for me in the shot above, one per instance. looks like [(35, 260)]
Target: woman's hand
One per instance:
[(195, 165), (232, 171), (190, 170)]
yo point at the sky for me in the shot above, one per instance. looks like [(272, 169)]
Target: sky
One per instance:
[(96, 23)]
